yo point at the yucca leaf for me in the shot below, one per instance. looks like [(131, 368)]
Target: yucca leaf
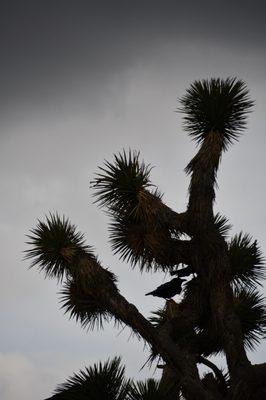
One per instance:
[(59, 251), (250, 308), (142, 227), (218, 387), (150, 245), (101, 381), (217, 105), (148, 390), (222, 224), (222, 379), (246, 261), (55, 245), (119, 183), (83, 307)]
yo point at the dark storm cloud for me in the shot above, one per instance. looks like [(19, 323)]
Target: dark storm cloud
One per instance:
[(46, 46)]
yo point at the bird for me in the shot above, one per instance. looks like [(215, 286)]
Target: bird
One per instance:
[(183, 272), (168, 289)]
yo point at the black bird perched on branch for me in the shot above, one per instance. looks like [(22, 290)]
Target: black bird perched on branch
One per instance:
[(183, 272), (168, 289)]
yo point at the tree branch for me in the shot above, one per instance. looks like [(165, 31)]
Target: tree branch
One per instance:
[(203, 168), (215, 272), (94, 280)]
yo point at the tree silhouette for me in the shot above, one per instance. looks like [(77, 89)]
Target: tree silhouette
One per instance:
[(221, 309)]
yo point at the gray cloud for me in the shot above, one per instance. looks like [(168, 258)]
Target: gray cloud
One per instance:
[(49, 48)]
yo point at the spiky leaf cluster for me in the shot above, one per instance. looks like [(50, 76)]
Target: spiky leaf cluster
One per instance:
[(119, 184), (148, 390), (102, 381), (246, 261), (222, 224), (129, 239), (141, 224), (216, 105), (149, 244), (250, 308), (55, 246), (84, 308), (218, 385)]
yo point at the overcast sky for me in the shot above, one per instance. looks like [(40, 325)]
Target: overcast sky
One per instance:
[(81, 80)]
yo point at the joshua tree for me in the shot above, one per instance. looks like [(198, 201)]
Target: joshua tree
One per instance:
[(221, 309)]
